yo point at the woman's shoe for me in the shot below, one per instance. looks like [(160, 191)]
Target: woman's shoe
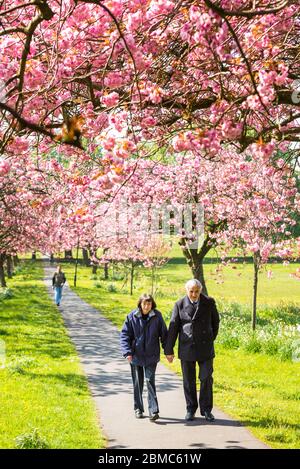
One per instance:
[(154, 416), (138, 414)]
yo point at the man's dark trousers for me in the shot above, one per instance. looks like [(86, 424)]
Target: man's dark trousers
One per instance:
[(206, 385)]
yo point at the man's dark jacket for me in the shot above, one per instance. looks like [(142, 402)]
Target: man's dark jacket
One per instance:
[(58, 279), (197, 327), (140, 338)]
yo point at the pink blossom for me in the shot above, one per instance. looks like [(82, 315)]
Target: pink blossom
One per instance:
[(4, 167), (110, 99)]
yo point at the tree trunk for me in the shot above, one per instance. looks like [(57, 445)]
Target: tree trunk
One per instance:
[(105, 266), (2, 273), (68, 254), (33, 256), (93, 253), (195, 259), (106, 271), (256, 259), (131, 278), (9, 266), (86, 259), (76, 265), (198, 273), (51, 257), (16, 260)]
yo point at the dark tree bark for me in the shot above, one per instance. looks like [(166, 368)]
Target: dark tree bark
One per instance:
[(9, 266), (16, 260), (256, 265), (106, 271), (195, 260), (131, 277), (68, 254), (86, 259), (93, 253), (2, 272), (195, 256), (76, 265), (105, 266)]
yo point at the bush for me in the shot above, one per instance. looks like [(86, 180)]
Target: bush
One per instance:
[(276, 332), (118, 276), (229, 341), (253, 345), (18, 269), (97, 285), (31, 440), (285, 351), (111, 288), (20, 365), (6, 294), (270, 346)]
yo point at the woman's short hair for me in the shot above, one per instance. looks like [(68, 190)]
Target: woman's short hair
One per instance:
[(148, 298)]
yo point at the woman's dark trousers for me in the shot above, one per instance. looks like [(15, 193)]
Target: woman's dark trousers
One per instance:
[(138, 373)]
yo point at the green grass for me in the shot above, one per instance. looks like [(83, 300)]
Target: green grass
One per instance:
[(44, 395), (259, 390), (262, 392)]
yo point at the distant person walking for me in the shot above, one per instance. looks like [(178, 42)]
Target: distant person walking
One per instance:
[(195, 320), (141, 333), (58, 281)]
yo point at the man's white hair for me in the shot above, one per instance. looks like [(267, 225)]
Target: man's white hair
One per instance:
[(192, 283)]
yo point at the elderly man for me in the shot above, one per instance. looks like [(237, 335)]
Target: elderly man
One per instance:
[(195, 318)]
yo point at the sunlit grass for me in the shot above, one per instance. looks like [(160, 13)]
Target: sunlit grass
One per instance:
[(42, 385)]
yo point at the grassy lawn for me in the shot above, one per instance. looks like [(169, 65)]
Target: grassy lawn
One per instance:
[(42, 385), (259, 390)]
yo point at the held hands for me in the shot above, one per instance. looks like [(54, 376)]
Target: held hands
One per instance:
[(170, 358), (129, 358)]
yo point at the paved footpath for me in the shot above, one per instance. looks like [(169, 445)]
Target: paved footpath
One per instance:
[(108, 374)]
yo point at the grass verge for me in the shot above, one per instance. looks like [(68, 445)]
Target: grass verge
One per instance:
[(44, 396)]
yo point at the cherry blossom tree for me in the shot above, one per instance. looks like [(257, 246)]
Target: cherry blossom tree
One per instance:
[(186, 101), (238, 193), (192, 74)]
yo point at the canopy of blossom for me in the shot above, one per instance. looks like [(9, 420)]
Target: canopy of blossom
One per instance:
[(87, 84)]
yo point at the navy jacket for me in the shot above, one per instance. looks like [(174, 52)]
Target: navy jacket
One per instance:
[(140, 338), (196, 328)]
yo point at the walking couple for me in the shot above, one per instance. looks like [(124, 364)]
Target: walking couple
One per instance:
[(195, 320)]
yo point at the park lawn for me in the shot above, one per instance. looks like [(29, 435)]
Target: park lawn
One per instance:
[(234, 284), (259, 390), (42, 385)]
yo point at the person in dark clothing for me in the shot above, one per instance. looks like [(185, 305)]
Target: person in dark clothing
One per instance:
[(196, 320), (58, 281), (141, 334)]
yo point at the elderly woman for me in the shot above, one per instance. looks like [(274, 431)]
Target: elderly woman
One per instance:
[(142, 332)]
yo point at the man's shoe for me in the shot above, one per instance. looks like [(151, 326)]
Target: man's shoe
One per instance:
[(209, 416), (138, 414), (154, 416), (57, 304), (189, 416)]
